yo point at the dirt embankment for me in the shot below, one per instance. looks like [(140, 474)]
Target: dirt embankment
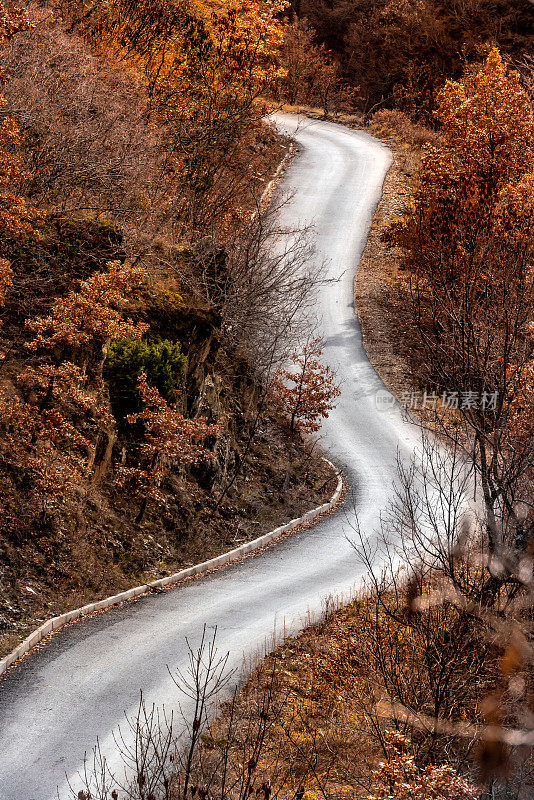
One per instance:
[(382, 286)]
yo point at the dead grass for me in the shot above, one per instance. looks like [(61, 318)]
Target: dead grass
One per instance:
[(326, 734), (317, 737)]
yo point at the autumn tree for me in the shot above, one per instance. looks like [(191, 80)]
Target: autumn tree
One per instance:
[(207, 65), (55, 418), (82, 324), (29, 431), (206, 75), (306, 392), (515, 221), (312, 76), (488, 129), (450, 633), (49, 427), (468, 240), (15, 217), (168, 439), (78, 331)]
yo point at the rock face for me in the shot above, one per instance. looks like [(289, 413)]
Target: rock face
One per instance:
[(228, 399)]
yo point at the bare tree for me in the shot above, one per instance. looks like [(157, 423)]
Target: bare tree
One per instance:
[(216, 746), (450, 642)]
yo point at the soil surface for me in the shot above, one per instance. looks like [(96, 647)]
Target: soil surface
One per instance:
[(382, 287)]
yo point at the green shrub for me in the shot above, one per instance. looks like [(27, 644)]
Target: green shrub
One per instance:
[(162, 361)]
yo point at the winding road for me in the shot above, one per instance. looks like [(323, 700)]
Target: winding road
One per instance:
[(56, 703)]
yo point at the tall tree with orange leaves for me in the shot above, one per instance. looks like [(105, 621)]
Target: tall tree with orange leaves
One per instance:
[(487, 123), (469, 240)]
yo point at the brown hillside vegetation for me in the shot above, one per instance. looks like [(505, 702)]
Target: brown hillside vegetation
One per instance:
[(142, 260), (484, 277), (328, 729), (399, 53)]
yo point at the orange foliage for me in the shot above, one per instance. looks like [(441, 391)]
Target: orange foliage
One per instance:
[(470, 234), (398, 777), (306, 393), (488, 123), (15, 217), (6, 277), (521, 406), (245, 38), (515, 221), (476, 184), (515, 212), (47, 433), (192, 51), (168, 437), (50, 431), (92, 315), (12, 20)]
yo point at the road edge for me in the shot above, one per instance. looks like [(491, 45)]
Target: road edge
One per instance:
[(162, 583)]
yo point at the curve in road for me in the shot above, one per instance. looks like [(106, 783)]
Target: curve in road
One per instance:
[(56, 703)]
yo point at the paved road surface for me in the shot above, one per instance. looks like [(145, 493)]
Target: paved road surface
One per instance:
[(77, 688)]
